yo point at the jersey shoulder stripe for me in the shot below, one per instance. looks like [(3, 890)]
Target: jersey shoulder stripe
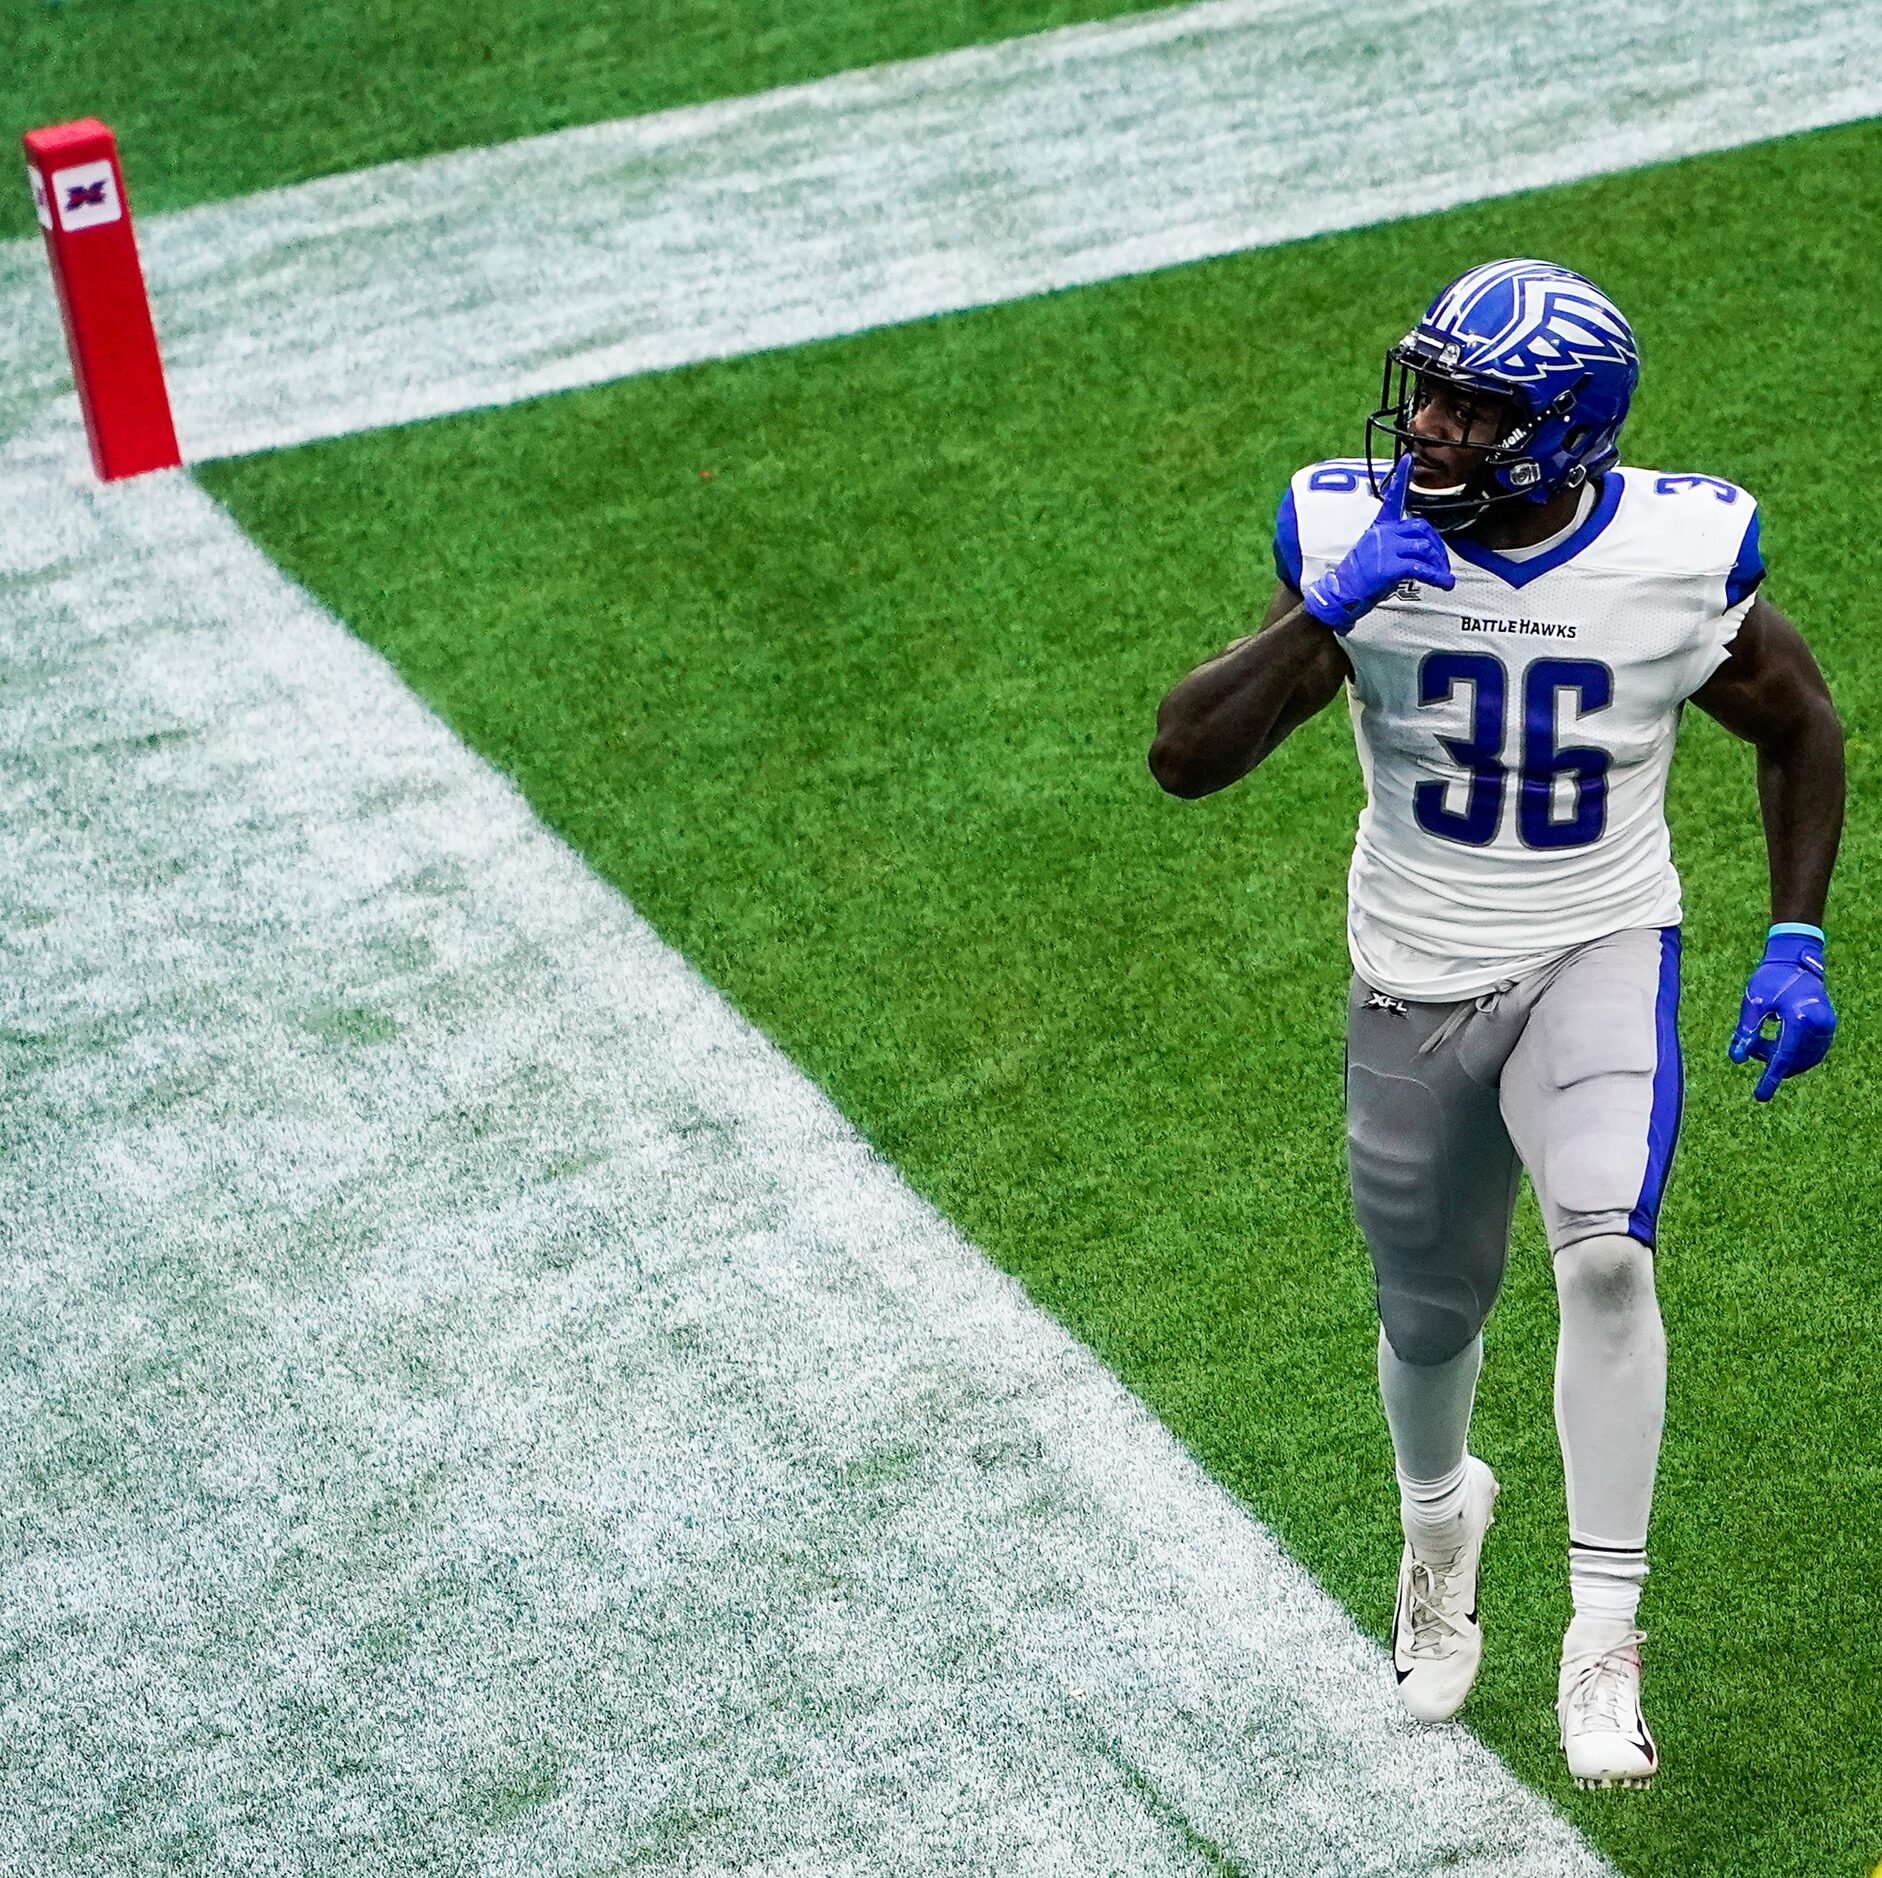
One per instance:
[(1748, 570)]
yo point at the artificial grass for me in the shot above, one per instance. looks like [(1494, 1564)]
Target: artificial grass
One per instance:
[(212, 98), (843, 662)]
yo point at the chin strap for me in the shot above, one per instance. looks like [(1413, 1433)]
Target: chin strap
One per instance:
[(1456, 508)]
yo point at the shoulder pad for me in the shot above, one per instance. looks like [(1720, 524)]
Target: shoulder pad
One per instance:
[(1689, 523), (1327, 507)]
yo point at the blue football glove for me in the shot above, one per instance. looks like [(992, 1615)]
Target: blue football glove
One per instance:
[(1788, 986), (1395, 547)]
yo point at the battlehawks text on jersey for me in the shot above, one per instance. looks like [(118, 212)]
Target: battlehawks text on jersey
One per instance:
[(1515, 733)]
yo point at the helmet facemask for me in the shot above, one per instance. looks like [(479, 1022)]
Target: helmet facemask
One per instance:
[(1507, 467)]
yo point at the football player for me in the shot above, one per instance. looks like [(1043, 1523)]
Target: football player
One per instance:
[(1517, 622)]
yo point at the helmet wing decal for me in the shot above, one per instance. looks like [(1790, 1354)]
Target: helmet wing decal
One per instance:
[(1554, 327)]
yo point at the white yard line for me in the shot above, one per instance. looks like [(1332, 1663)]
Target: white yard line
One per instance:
[(473, 1405), (979, 176)]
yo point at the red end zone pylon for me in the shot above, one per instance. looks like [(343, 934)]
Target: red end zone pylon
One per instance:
[(78, 190)]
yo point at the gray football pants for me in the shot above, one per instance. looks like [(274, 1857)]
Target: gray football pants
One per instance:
[(1572, 1073)]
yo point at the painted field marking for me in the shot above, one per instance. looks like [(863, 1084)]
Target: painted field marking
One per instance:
[(476, 1407), (906, 190)]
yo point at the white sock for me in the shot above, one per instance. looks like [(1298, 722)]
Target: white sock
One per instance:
[(1605, 1582), (1431, 1512)]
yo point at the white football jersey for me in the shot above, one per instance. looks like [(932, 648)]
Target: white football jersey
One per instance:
[(1515, 733)]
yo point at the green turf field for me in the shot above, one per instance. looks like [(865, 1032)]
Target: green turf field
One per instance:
[(842, 664), (214, 98)]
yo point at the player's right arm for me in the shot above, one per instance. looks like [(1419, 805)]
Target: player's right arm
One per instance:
[(1232, 712), (1228, 715)]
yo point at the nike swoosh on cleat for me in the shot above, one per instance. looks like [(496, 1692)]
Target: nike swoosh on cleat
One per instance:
[(1398, 1630)]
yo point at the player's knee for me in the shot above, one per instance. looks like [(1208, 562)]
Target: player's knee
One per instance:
[(1422, 1330), (1610, 1275)]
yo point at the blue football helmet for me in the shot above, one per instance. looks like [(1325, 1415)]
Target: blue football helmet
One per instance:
[(1539, 335)]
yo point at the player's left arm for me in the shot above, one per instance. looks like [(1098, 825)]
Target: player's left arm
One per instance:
[(1770, 692)]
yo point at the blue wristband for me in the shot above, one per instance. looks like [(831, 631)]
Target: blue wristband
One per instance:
[(1793, 926)]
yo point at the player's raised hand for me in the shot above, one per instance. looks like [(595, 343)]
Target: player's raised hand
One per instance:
[(1788, 986), (1395, 547), (1397, 491)]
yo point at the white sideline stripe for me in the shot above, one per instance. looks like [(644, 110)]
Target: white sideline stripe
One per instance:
[(476, 1407), (975, 177)]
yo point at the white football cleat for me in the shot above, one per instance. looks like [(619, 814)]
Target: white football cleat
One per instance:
[(1436, 1641), (1597, 1706)]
